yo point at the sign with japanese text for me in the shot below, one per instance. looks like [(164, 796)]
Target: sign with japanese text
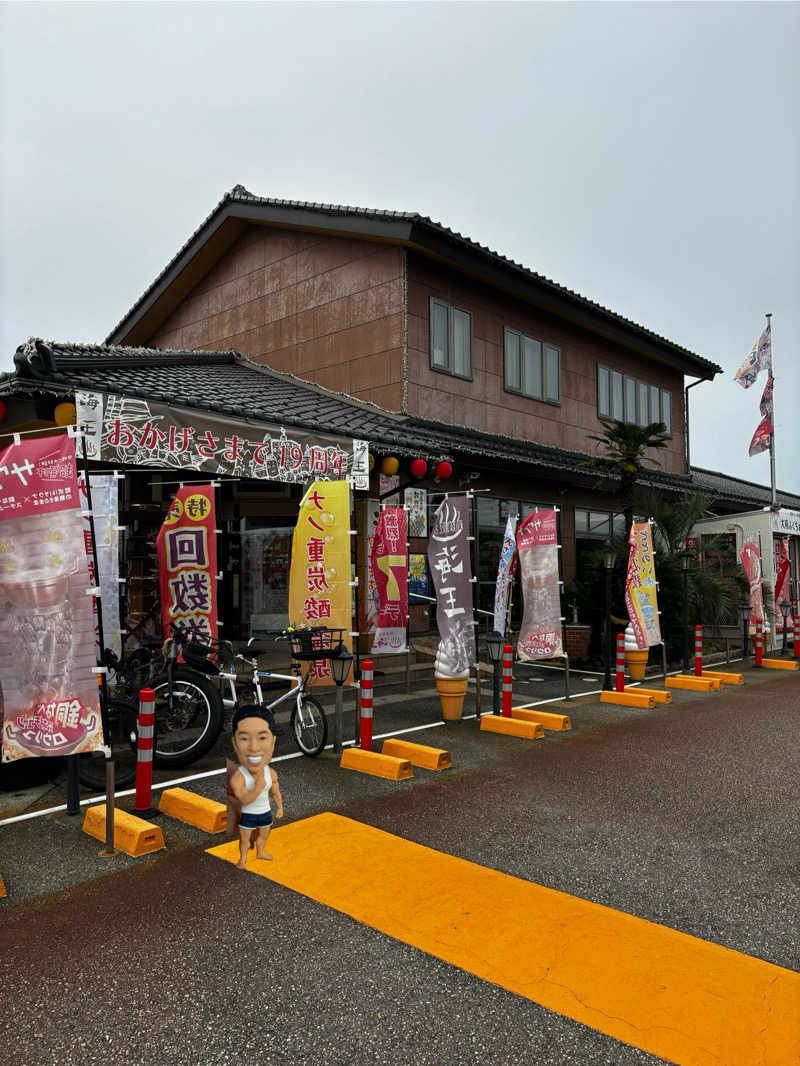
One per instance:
[(186, 549), (505, 572), (389, 565), (785, 521), (106, 533), (319, 575), (416, 501), (373, 509), (751, 561), (537, 547), (640, 587), (451, 573), (123, 429), (417, 578), (47, 651)]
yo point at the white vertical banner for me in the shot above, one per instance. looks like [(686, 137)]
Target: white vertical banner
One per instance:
[(105, 509)]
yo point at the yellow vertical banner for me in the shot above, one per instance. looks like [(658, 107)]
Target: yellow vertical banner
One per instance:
[(640, 587), (319, 575)]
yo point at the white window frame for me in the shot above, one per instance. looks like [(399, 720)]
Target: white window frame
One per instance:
[(451, 312), (615, 391), (544, 394)]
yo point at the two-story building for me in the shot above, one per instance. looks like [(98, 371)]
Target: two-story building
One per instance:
[(389, 327)]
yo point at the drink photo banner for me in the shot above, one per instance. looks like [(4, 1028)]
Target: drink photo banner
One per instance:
[(124, 430), (505, 575), (641, 600), (186, 549), (537, 545), (47, 639), (389, 565), (451, 572), (319, 575)]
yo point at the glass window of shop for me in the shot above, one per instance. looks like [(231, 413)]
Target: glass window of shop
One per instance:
[(592, 530)]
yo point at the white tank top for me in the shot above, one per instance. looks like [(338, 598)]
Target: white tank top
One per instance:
[(260, 804)]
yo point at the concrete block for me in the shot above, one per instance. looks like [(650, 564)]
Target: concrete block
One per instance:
[(658, 694), (417, 754), (132, 835), (379, 765), (202, 813), (511, 727), (628, 699), (555, 722)]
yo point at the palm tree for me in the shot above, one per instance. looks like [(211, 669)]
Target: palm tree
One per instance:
[(626, 445)]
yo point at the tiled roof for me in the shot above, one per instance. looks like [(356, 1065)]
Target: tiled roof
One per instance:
[(417, 228), (747, 493), (225, 383)]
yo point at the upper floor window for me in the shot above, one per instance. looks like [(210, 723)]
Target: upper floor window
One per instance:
[(530, 367), (451, 339), (628, 399)]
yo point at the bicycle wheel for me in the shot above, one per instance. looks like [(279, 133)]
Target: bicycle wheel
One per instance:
[(309, 727), (92, 767), (190, 727)]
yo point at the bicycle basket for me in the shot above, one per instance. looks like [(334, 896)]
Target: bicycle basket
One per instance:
[(318, 643), (196, 656)]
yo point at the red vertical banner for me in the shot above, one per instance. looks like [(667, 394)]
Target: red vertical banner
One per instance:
[(50, 699), (389, 565), (782, 589), (186, 548)]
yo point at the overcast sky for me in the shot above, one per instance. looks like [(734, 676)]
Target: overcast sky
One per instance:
[(645, 155)]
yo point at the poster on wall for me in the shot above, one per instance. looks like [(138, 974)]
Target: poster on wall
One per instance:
[(451, 573), (265, 578), (751, 561), (537, 547), (106, 532), (124, 429), (186, 549), (389, 566), (387, 482), (417, 578), (416, 501), (319, 577), (640, 587), (47, 634)]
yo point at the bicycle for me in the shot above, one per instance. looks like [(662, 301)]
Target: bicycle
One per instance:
[(307, 721), (189, 712)]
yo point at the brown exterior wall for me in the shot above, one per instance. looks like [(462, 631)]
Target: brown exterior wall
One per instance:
[(483, 404), (326, 309)]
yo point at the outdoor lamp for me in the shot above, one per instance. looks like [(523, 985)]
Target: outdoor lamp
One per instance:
[(744, 611), (340, 667), (609, 557), (784, 606), (494, 642), (685, 557)]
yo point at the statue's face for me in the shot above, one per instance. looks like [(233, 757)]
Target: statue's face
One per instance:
[(253, 742)]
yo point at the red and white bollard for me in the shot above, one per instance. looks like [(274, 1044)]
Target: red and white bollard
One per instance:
[(506, 681), (144, 751), (698, 651), (795, 637), (619, 675), (759, 642), (365, 721)]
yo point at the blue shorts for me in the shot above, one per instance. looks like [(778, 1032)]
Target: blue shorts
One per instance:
[(255, 821)]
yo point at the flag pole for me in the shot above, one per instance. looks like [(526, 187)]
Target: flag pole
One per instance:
[(774, 503)]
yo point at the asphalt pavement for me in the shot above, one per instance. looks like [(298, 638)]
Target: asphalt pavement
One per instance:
[(685, 815)]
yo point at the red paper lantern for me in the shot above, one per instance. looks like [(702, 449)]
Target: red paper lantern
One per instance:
[(444, 470), (418, 468)]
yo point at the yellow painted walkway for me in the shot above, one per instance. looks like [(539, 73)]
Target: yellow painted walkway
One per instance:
[(684, 999)]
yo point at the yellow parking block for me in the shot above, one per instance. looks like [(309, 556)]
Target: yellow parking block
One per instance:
[(417, 754), (195, 810), (371, 762), (511, 727), (132, 835), (557, 723), (724, 679), (779, 664), (681, 999), (628, 699), (658, 694), (692, 684)]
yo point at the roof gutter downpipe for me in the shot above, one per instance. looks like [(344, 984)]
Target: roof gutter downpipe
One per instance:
[(686, 416)]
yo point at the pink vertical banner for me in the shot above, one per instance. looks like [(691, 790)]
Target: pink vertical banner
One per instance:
[(782, 590), (389, 566), (537, 547), (751, 561), (47, 648)]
